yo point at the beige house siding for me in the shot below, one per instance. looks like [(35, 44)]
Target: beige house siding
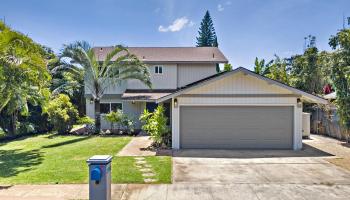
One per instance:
[(189, 73), (117, 88), (240, 84), (166, 80)]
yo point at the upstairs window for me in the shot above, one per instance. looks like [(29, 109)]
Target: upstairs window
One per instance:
[(158, 69)]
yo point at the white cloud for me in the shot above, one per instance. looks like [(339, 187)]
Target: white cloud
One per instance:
[(191, 24), (220, 7), (177, 25)]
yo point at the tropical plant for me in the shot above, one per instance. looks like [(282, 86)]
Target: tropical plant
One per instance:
[(261, 67), (341, 73), (306, 71), (128, 124), (62, 113), (85, 120), (114, 117), (70, 82), (227, 67), (156, 125), (24, 78), (116, 66), (278, 70)]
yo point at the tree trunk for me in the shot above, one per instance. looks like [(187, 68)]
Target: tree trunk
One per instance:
[(97, 117), (12, 127)]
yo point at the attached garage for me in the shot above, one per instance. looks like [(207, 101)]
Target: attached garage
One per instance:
[(236, 127), (238, 109)]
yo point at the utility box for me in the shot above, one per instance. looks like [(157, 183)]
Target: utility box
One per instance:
[(306, 125), (100, 177)]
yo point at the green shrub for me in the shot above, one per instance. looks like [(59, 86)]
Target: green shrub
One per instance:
[(122, 120), (156, 125), (86, 120), (128, 124), (114, 117), (62, 114)]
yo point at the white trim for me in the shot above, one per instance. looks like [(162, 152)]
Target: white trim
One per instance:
[(159, 67), (176, 130), (110, 105)]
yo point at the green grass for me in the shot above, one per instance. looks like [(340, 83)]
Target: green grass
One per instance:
[(51, 159), (162, 166)]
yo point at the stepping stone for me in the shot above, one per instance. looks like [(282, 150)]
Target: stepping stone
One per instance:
[(148, 174), (139, 158), (148, 166), (146, 170), (140, 162), (139, 166), (149, 180)]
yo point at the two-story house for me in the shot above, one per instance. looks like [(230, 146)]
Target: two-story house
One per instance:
[(228, 110), (171, 68)]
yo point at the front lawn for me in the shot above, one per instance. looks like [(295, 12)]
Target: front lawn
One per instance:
[(51, 159)]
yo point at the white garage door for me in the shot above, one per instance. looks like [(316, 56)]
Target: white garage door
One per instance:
[(236, 127)]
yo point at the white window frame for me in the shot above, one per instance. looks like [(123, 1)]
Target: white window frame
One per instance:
[(110, 106), (156, 69)]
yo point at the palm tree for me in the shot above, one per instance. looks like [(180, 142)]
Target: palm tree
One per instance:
[(98, 75)]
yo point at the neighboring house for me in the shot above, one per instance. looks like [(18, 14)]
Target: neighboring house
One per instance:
[(230, 110)]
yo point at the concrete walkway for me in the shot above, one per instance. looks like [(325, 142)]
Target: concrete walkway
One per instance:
[(182, 191), (138, 147)]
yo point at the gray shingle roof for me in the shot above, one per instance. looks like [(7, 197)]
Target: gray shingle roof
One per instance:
[(171, 54)]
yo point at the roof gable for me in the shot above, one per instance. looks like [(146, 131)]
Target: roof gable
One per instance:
[(259, 86), (239, 83)]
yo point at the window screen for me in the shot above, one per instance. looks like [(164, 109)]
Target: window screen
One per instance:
[(116, 106), (104, 108)]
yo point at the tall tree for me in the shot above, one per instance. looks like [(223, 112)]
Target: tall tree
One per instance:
[(69, 82), (275, 69), (99, 75), (24, 78), (278, 70), (207, 36), (306, 71), (341, 73), (262, 68)]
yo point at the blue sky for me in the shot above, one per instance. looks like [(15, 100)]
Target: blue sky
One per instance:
[(246, 28)]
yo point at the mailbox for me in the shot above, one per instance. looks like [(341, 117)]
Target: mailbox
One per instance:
[(96, 175), (100, 177)]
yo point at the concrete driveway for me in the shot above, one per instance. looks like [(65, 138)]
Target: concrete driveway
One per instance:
[(277, 174)]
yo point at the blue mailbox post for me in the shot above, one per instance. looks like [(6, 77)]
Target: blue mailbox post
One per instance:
[(100, 177)]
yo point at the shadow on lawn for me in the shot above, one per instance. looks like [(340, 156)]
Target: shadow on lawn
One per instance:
[(13, 162), (66, 142)]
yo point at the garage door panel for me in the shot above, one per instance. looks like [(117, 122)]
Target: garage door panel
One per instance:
[(236, 127)]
